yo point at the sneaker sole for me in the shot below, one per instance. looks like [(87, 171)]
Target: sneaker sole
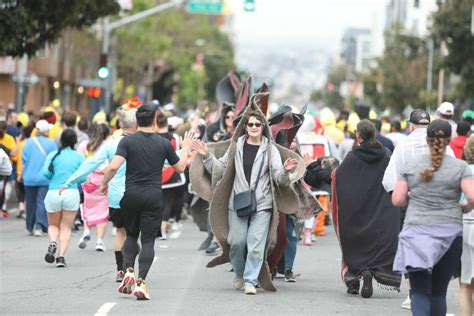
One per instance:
[(49, 257), (83, 243), (60, 265), (140, 296), (367, 289), (126, 286)]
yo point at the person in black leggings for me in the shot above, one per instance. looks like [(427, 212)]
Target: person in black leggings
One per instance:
[(145, 153)]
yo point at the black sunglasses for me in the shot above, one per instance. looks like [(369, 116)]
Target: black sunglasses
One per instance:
[(254, 124), (229, 117)]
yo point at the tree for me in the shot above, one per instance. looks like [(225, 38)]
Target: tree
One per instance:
[(452, 24), (27, 26), (189, 49), (403, 70)]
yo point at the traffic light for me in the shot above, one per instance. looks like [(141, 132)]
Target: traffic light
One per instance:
[(249, 5), (103, 71), (94, 92)]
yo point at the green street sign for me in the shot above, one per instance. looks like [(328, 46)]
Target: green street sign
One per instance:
[(204, 6)]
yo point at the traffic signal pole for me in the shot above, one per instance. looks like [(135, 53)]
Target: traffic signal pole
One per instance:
[(110, 26)]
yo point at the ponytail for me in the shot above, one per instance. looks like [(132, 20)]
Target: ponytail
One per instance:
[(51, 166), (437, 151)]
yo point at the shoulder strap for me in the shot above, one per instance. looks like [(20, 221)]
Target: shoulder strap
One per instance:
[(39, 146), (260, 171)]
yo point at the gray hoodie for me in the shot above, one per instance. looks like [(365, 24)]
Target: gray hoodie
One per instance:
[(263, 190)]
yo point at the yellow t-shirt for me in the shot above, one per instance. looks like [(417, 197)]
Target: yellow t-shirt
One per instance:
[(10, 143)]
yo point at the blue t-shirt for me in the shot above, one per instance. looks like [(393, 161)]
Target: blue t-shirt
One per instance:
[(65, 164)]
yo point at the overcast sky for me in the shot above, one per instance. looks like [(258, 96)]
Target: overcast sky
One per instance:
[(321, 22)]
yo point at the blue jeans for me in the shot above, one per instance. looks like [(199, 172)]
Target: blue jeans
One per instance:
[(36, 217), (428, 291), (290, 251), (249, 234)]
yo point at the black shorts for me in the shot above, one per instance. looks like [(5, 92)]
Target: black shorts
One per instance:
[(117, 217), (143, 209)]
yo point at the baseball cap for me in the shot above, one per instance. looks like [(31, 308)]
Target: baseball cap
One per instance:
[(446, 108), (419, 117), (43, 126), (439, 129)]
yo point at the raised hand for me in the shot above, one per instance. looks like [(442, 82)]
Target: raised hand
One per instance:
[(200, 147), (187, 141), (290, 165)]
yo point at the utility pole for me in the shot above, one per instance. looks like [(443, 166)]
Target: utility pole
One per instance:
[(21, 71), (429, 77), (444, 53), (110, 26)]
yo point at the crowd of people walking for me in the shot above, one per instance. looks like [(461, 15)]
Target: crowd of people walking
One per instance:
[(400, 194)]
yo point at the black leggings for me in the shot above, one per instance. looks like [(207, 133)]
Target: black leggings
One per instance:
[(428, 291), (131, 249)]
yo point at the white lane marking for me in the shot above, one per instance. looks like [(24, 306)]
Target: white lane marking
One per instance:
[(175, 234), (155, 259), (104, 309), (163, 246)]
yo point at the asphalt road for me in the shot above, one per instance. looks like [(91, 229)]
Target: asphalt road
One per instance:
[(179, 282)]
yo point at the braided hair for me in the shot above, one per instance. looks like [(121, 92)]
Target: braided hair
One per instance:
[(68, 140), (437, 146)]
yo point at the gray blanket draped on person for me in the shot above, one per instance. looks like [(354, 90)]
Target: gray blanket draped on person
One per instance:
[(217, 189)]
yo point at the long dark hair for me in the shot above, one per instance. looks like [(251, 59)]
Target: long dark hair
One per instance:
[(99, 134), (366, 130), (68, 140)]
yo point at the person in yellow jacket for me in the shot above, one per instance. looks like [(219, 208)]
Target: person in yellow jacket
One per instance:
[(8, 143)]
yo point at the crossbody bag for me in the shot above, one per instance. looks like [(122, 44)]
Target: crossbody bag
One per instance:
[(245, 203)]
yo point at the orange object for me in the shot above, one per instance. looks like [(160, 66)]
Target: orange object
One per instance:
[(319, 228)]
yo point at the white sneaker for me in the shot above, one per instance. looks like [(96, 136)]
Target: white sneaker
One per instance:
[(114, 231), (163, 236), (250, 289), (99, 246), (83, 241), (176, 226), (38, 233), (238, 283), (406, 304)]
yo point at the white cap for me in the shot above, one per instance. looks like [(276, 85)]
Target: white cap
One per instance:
[(169, 107), (43, 126), (446, 108)]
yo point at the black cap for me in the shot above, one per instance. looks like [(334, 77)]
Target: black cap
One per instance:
[(419, 117), (439, 129)]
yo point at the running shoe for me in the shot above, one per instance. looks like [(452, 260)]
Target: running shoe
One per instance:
[(128, 282), (119, 277), (163, 236), (250, 289), (99, 246), (307, 237), (367, 289), (83, 241), (406, 304), (213, 248), (60, 262), (38, 233), (238, 283), (49, 257), (289, 277), (141, 291), (5, 214), (21, 214)]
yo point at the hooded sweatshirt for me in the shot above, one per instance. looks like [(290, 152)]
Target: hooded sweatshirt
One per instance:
[(457, 145), (371, 152)]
